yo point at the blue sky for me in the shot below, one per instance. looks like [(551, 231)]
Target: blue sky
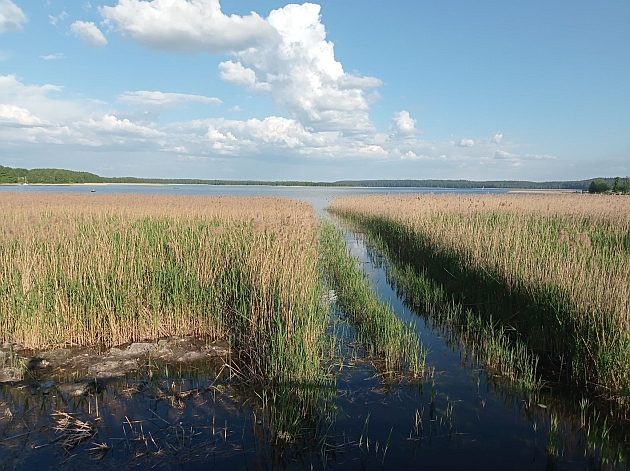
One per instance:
[(317, 91)]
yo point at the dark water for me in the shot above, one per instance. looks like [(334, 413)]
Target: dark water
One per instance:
[(489, 423), (196, 417)]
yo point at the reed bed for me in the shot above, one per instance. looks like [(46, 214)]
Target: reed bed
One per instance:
[(106, 270), (555, 269), (385, 337), (481, 339)]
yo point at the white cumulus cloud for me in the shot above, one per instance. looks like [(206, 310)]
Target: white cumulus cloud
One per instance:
[(88, 32), (157, 98), (403, 123), (272, 132), (12, 18), (286, 55), (497, 138), (186, 26), (45, 101), (33, 117), (13, 115), (236, 73), (112, 124), (304, 77)]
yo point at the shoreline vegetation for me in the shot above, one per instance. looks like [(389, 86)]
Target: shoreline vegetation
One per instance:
[(551, 273), (386, 339), (79, 271), (17, 176), (255, 272), (531, 287)]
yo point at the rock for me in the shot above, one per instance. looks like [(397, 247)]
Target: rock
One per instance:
[(80, 388), (57, 356), (46, 386), (88, 363), (112, 368), (11, 374), (218, 350), (35, 363), (74, 389), (133, 350), (140, 349), (192, 356)]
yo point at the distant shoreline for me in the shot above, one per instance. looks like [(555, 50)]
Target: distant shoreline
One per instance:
[(273, 185), (332, 186), (55, 176)]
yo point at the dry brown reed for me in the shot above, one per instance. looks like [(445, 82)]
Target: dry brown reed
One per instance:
[(569, 251), (92, 269)]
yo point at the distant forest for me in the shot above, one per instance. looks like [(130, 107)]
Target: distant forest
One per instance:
[(10, 175)]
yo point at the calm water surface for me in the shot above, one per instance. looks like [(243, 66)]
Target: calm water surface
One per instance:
[(319, 197)]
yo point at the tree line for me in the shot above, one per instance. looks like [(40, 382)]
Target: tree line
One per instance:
[(600, 185), (9, 175)]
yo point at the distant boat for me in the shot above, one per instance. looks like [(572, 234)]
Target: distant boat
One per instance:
[(92, 190)]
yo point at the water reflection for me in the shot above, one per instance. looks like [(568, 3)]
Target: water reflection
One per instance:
[(555, 427)]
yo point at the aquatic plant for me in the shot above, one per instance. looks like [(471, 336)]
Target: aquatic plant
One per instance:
[(552, 270), (378, 329), (106, 270)]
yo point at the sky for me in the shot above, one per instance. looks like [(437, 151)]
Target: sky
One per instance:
[(340, 89)]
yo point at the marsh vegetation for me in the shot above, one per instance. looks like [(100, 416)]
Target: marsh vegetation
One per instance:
[(552, 271), (109, 270), (386, 338), (251, 332)]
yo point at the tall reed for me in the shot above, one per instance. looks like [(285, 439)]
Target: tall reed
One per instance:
[(554, 267), (105, 270)]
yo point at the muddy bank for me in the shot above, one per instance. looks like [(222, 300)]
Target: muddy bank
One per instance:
[(79, 371)]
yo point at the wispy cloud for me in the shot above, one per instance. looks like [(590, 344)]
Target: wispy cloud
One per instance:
[(89, 33), (53, 57), (56, 19), (157, 98), (12, 18)]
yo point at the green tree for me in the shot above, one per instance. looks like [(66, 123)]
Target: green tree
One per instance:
[(626, 186), (598, 186), (616, 185)]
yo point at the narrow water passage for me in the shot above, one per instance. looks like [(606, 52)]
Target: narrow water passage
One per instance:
[(488, 425)]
